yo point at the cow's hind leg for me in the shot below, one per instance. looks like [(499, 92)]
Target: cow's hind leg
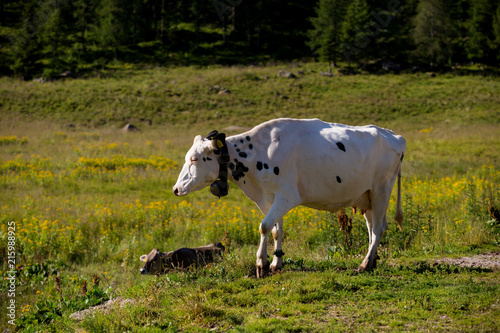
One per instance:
[(376, 223), (378, 228), (368, 217), (369, 226)]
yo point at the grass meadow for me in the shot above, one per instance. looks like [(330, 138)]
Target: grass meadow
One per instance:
[(88, 199)]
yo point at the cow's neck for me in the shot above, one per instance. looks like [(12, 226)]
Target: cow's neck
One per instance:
[(241, 153)]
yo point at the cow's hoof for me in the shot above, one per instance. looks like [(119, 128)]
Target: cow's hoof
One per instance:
[(263, 271), (275, 270), (365, 268), (361, 268)]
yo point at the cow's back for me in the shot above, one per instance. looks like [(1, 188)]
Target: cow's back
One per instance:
[(183, 258), (332, 164), (309, 137)]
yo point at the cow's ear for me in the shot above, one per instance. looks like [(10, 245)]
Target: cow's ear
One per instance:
[(143, 257), (216, 142), (211, 135), (169, 254), (220, 138)]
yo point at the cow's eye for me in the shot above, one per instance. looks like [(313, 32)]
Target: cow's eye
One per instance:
[(194, 159)]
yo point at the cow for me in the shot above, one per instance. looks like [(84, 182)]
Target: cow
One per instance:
[(284, 163), (157, 262)]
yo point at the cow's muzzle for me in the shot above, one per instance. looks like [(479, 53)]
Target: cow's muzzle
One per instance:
[(180, 191), (143, 271)]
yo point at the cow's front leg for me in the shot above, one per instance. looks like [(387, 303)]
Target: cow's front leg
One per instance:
[(262, 263), (278, 250), (281, 205)]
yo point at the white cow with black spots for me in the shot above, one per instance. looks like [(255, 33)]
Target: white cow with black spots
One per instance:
[(283, 163)]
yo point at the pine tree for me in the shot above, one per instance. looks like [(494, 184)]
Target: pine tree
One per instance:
[(324, 39), (25, 43), (354, 36), (53, 35), (458, 16), (479, 30), (393, 39), (84, 15), (433, 32), (114, 28)]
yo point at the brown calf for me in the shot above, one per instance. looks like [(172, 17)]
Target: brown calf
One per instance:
[(157, 262)]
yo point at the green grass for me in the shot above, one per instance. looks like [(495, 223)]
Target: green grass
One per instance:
[(182, 96), (312, 297), (91, 199)]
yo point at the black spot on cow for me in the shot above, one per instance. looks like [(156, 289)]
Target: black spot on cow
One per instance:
[(238, 150), (276, 171), (250, 146), (243, 154), (231, 165), (209, 159), (266, 166), (241, 141), (244, 182), (204, 159), (239, 171), (248, 138), (259, 166), (339, 180), (402, 156), (341, 146), (235, 160)]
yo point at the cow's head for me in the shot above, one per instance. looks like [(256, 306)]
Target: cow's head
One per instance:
[(154, 262), (201, 167)]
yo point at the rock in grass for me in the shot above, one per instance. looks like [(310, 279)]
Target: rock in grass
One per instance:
[(286, 74), (105, 307), (219, 90), (328, 74), (224, 91)]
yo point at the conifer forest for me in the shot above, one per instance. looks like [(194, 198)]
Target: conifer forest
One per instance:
[(49, 37)]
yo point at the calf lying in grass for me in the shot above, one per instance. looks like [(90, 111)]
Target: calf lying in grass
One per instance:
[(157, 262)]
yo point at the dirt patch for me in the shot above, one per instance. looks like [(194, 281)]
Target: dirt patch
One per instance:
[(487, 260), (105, 307)]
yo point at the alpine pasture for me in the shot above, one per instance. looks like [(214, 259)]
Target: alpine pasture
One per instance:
[(88, 200)]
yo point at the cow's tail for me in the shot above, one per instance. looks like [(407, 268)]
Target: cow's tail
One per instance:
[(399, 211)]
